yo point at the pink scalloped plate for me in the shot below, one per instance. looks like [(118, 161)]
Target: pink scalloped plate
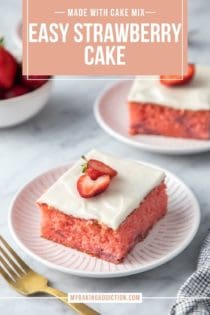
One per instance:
[(111, 113), (169, 237)]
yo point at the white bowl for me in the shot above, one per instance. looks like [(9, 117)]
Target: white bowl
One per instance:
[(14, 111)]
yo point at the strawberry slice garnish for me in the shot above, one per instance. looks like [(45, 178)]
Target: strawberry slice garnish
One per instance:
[(174, 80), (8, 68), (95, 169), (88, 188)]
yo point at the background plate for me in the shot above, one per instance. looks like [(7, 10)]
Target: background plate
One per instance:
[(112, 115), (166, 240)]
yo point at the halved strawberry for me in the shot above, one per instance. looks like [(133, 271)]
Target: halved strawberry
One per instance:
[(97, 168), (174, 80), (88, 188)]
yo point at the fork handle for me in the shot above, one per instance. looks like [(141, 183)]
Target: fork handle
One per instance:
[(80, 308)]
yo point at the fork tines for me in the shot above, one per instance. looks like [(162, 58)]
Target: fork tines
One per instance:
[(11, 265)]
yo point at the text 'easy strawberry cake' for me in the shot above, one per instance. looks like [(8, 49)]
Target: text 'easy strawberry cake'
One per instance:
[(103, 205), (172, 106)]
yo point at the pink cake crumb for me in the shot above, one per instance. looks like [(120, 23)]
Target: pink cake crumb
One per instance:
[(99, 240), (154, 119)]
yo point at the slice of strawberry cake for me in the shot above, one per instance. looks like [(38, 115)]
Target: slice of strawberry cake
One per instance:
[(103, 205), (172, 106)]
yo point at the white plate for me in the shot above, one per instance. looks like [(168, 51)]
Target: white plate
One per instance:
[(111, 112), (166, 240)]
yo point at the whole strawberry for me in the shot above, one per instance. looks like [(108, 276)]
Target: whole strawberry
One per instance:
[(8, 68)]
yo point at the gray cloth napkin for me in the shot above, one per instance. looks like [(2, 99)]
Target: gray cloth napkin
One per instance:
[(194, 296)]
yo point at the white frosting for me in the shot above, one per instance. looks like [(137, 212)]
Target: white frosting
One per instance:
[(193, 96), (132, 184)]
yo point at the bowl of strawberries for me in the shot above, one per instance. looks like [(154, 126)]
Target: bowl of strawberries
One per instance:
[(21, 97)]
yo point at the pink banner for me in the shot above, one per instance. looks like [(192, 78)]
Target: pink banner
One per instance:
[(80, 37)]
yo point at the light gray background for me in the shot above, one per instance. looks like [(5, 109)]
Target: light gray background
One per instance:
[(65, 130)]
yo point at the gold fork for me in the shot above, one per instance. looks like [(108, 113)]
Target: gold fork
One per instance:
[(27, 282)]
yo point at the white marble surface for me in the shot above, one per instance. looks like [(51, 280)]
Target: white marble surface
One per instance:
[(64, 130)]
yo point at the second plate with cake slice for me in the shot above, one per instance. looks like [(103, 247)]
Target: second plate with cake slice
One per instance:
[(163, 119)]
